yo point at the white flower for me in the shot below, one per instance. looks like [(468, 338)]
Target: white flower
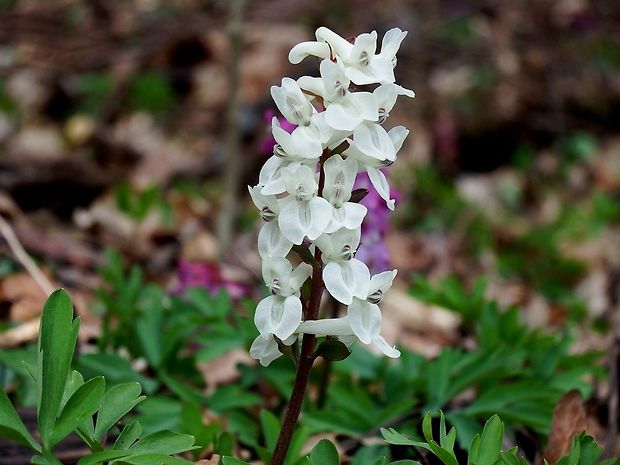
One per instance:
[(342, 328), (292, 102), (303, 143), (375, 148), (386, 96), (278, 315), (266, 204), (281, 278), (265, 348), (271, 242), (339, 179), (303, 213), (344, 109), (327, 111), (344, 276)]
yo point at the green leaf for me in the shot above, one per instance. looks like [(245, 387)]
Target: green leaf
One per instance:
[(117, 402), (324, 453), (57, 338), (46, 459), (159, 459), (271, 428), (333, 350), (491, 441), (103, 456), (11, 425), (163, 442), (82, 404), (128, 436), (391, 436)]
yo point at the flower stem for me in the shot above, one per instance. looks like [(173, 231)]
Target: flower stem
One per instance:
[(306, 356)]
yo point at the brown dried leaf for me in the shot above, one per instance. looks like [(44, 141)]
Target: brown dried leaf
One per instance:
[(569, 419)]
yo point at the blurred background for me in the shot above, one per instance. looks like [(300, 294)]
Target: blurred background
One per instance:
[(129, 131), (117, 120)]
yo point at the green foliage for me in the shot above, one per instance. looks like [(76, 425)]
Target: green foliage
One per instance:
[(151, 92), (94, 89), (137, 205), (486, 448), (67, 404)]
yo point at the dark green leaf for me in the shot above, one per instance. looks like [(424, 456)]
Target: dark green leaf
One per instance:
[(82, 404), (117, 402), (11, 425), (57, 338), (333, 350), (324, 453)]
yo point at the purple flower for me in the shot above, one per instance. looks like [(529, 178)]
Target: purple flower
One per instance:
[(373, 250), (208, 276)]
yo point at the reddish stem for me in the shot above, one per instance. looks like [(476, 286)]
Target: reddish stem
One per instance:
[(306, 356)]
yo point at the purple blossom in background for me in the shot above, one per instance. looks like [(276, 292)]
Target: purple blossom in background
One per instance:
[(266, 144), (208, 276), (373, 250)]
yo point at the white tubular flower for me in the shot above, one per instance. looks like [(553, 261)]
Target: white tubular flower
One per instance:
[(344, 276), (344, 109), (303, 213), (266, 204), (301, 144), (271, 242), (342, 328), (292, 102), (280, 313), (280, 277), (265, 348), (339, 179), (386, 95), (375, 148), (364, 314)]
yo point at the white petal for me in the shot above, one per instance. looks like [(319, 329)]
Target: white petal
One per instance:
[(365, 319), (345, 280), (391, 42), (378, 180), (354, 215), (320, 215), (278, 315), (272, 243), (276, 268), (340, 46), (398, 135), (341, 117), (304, 49), (261, 200), (265, 349), (332, 246), (374, 141), (290, 222), (313, 85), (382, 282), (381, 344), (270, 177), (306, 142), (365, 105), (327, 327), (299, 275)]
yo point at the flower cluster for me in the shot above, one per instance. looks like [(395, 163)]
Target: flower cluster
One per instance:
[(305, 190)]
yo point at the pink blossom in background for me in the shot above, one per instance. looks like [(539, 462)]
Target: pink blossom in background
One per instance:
[(267, 143), (373, 249), (208, 276)]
